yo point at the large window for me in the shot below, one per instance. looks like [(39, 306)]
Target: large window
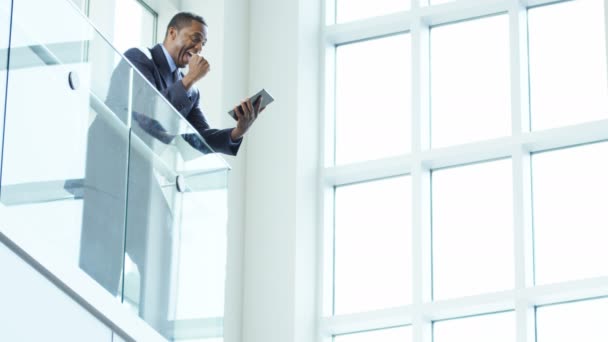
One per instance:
[(135, 25), (464, 170)]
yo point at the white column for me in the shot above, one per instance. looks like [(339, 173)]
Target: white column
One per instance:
[(282, 174), (522, 192), (234, 87), (421, 179)]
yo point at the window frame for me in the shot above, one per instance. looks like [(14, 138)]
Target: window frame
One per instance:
[(422, 160)]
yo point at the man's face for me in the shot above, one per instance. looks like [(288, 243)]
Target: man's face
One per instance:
[(190, 39)]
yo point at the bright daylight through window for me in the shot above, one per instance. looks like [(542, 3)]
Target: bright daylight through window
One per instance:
[(464, 176)]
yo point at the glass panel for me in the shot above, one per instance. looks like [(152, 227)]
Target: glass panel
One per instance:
[(372, 245), (67, 155), (348, 10), (400, 334), (158, 250), (175, 244), (373, 100), (5, 19), (470, 81), (567, 63), (578, 321), (472, 229), (5, 15), (201, 270), (52, 148), (569, 202), (495, 327)]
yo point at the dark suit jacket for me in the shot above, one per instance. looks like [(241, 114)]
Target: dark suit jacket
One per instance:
[(157, 71)]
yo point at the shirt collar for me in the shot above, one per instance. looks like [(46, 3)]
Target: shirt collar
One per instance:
[(170, 61)]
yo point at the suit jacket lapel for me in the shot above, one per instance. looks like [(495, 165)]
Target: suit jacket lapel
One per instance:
[(158, 56)]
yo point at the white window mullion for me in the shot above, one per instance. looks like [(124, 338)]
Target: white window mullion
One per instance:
[(519, 68), (523, 239), (329, 10), (328, 98), (606, 33), (325, 262), (522, 204), (421, 252), (421, 190), (420, 86)]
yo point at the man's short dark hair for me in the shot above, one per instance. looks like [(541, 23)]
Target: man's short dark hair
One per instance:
[(184, 19)]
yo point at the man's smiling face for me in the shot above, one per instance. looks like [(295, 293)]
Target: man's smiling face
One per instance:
[(186, 42)]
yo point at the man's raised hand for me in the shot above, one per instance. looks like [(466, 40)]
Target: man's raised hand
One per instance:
[(198, 67)]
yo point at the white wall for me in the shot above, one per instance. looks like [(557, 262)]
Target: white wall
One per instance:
[(41, 312), (235, 87)]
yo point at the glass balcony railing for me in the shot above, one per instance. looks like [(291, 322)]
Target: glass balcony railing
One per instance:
[(99, 171)]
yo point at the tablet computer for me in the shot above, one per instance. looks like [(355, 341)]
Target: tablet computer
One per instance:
[(266, 100)]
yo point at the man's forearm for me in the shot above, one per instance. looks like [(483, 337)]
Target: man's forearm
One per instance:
[(187, 82), (236, 134)]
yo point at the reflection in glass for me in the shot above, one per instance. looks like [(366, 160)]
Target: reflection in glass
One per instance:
[(372, 245), (498, 327), (569, 189), (470, 81), (373, 100), (45, 137), (348, 10), (567, 63), (472, 229), (577, 321), (399, 334), (202, 247)]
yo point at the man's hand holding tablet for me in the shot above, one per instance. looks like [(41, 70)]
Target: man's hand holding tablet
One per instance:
[(246, 113), (262, 95)]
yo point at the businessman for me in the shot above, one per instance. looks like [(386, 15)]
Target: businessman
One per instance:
[(185, 38), (113, 168)]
